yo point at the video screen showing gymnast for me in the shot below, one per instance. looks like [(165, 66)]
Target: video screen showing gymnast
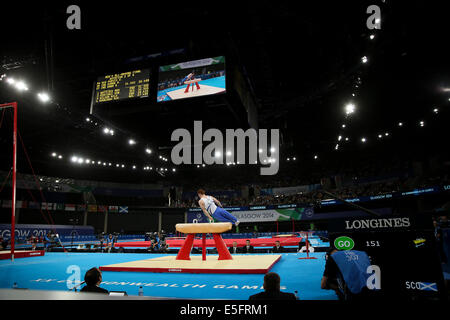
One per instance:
[(191, 79)]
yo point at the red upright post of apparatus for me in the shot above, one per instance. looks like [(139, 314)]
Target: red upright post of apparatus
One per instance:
[(222, 249), (203, 246), (14, 170), (185, 250)]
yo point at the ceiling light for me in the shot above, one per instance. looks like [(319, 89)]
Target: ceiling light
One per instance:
[(349, 108), (44, 97)]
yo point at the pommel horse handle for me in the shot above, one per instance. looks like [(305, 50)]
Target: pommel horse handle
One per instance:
[(193, 228)]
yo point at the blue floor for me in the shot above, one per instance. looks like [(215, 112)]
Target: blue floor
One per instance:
[(52, 271)]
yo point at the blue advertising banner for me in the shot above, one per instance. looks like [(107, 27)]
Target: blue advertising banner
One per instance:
[(26, 230)]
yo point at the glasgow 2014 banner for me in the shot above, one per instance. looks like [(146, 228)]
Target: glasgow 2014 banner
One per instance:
[(257, 215)]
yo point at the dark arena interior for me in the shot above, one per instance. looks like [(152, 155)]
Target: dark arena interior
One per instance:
[(267, 150)]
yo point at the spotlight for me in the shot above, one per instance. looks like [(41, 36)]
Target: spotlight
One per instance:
[(134, 167), (336, 147), (343, 126), (386, 134), (117, 165), (148, 151), (88, 120), (10, 80), (421, 123), (363, 140), (339, 138), (260, 150), (44, 97), (272, 150), (435, 110), (400, 124), (380, 136), (364, 59), (288, 159), (106, 130), (21, 86), (131, 142), (228, 153), (80, 160), (372, 36), (316, 157), (60, 157), (294, 158), (88, 161), (349, 108), (74, 159), (218, 154), (346, 139), (53, 154), (123, 166)]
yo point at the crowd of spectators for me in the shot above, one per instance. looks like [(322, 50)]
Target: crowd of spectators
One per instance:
[(351, 188)]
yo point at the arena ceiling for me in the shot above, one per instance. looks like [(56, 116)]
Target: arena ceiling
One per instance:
[(302, 64)]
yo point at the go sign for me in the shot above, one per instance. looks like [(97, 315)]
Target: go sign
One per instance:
[(344, 243)]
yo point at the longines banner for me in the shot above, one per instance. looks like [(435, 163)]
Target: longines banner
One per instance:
[(255, 215)]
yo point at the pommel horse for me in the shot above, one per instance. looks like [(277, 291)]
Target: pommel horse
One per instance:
[(193, 228), (189, 82)]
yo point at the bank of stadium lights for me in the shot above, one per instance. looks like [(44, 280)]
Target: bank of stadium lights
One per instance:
[(349, 108), (19, 85), (55, 155), (109, 131), (44, 97)]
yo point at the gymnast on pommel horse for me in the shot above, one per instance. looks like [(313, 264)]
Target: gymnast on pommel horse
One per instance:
[(213, 209)]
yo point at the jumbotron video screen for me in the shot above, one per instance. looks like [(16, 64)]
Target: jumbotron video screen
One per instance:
[(191, 79)]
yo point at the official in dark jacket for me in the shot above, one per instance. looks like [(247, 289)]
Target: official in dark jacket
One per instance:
[(272, 289)]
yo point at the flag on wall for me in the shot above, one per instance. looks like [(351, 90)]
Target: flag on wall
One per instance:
[(70, 207), (102, 208), (92, 208), (113, 209), (6, 203), (34, 205), (123, 209), (81, 207)]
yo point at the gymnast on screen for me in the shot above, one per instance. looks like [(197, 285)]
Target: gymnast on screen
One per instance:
[(190, 76), (212, 208)]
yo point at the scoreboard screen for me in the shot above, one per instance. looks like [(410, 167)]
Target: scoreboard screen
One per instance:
[(121, 86)]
